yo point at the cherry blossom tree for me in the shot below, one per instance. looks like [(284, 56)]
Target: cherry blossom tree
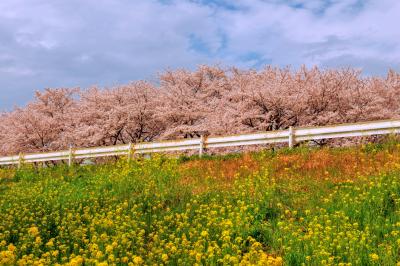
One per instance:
[(187, 99), (116, 115), (40, 126), (188, 103)]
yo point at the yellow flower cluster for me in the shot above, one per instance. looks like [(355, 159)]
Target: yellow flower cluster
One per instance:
[(7, 257), (125, 215), (151, 212)]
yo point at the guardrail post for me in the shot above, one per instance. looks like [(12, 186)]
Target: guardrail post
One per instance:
[(129, 151), (292, 139), (20, 159), (202, 145), (70, 156)]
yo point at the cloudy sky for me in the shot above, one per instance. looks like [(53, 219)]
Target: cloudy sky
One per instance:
[(79, 43)]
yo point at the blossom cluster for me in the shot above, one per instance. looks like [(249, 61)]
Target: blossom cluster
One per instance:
[(187, 103)]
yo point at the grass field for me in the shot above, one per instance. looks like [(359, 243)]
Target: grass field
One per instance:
[(291, 207)]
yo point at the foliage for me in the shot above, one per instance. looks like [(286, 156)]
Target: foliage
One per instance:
[(307, 207), (188, 103)]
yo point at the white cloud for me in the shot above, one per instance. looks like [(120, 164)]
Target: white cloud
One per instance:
[(314, 36), (80, 43)]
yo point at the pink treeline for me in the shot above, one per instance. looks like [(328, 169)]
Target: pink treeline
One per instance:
[(183, 103)]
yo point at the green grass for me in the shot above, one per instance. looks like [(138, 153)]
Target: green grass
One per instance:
[(297, 207)]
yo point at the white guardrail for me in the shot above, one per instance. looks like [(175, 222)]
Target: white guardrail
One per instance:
[(291, 135)]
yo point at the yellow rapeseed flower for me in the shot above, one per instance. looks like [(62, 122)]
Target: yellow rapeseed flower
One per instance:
[(34, 231), (164, 257), (374, 257), (109, 249), (136, 259)]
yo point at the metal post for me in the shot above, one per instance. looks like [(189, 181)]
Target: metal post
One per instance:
[(292, 139), (202, 140), (70, 155), (130, 151), (20, 158)]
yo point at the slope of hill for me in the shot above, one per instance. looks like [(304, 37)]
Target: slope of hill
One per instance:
[(291, 207)]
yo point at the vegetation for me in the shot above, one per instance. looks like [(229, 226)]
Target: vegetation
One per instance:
[(290, 207), (185, 103)]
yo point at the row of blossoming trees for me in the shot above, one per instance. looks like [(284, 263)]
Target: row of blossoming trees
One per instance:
[(220, 101)]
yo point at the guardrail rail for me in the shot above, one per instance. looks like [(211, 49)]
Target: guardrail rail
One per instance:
[(291, 136)]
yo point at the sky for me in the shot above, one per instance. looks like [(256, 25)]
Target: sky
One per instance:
[(83, 43)]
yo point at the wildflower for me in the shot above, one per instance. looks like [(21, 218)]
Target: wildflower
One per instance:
[(198, 257), (164, 257), (11, 248), (374, 257), (38, 240), (34, 231), (109, 248), (76, 261), (99, 254), (204, 234), (50, 243), (136, 259)]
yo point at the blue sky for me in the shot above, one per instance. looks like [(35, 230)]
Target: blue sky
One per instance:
[(75, 43)]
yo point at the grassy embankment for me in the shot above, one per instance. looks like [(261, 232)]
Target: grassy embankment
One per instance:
[(300, 207)]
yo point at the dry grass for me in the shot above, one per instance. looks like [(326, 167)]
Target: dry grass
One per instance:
[(339, 165)]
